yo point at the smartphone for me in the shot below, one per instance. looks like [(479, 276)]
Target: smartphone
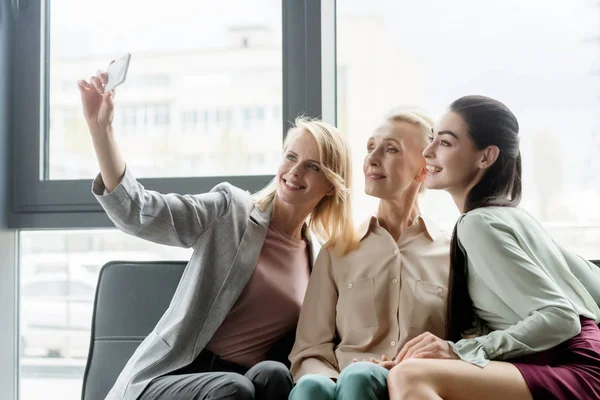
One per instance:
[(117, 72)]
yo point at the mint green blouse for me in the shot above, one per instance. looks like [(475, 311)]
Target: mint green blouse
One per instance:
[(528, 292)]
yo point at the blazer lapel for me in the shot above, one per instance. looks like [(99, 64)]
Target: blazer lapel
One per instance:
[(249, 249), (240, 272)]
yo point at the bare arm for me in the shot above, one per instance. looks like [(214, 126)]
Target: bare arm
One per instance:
[(98, 110), (171, 219)]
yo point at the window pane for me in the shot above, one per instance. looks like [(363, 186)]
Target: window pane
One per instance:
[(196, 67), (56, 305), (538, 57)]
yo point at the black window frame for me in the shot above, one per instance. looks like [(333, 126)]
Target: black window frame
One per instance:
[(39, 203)]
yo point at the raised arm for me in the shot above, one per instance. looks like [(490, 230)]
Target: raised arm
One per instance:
[(98, 110), (170, 219)]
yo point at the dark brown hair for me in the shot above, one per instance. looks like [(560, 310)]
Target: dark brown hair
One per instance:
[(490, 123)]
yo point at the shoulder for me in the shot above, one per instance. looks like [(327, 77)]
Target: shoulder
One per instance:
[(439, 237), (482, 217), (238, 203), (489, 224), (323, 262), (233, 193), (229, 189), (324, 255)]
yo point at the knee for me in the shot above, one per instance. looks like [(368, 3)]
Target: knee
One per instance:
[(407, 378), (269, 371), (236, 387), (363, 373), (312, 387), (363, 377), (271, 379)]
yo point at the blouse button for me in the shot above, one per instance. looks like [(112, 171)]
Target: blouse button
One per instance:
[(393, 343), (397, 251), (395, 280), (349, 286)]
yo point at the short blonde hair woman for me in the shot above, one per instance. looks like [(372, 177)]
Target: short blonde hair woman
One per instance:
[(392, 287), (240, 296)]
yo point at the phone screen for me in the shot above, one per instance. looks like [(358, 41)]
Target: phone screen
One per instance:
[(117, 72)]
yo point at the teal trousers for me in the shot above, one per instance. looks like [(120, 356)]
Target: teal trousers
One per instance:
[(358, 381)]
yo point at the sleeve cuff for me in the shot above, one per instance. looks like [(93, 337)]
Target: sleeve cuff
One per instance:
[(471, 351), (116, 196)]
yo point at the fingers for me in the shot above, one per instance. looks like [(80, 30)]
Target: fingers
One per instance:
[(83, 86), (388, 364), (409, 353), (82, 83), (431, 350), (371, 359), (411, 346), (413, 350), (385, 362), (427, 354), (107, 98), (102, 76), (429, 347), (99, 80), (97, 84), (87, 90), (407, 346)]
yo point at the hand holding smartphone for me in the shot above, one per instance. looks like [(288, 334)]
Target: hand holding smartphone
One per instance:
[(117, 72)]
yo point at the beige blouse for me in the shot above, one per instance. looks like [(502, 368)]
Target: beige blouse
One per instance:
[(371, 301)]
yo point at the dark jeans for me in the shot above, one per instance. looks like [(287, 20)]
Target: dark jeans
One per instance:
[(209, 377)]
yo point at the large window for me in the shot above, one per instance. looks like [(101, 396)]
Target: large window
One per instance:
[(202, 74), (539, 57), (58, 275), (211, 89)]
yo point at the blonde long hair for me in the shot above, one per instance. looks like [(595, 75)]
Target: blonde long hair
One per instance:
[(331, 219)]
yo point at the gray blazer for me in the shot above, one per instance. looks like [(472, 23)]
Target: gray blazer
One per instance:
[(227, 233)]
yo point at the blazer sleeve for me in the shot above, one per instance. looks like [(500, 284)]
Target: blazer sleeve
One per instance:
[(169, 219)]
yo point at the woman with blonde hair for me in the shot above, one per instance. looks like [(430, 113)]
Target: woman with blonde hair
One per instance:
[(239, 299), (367, 303)]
